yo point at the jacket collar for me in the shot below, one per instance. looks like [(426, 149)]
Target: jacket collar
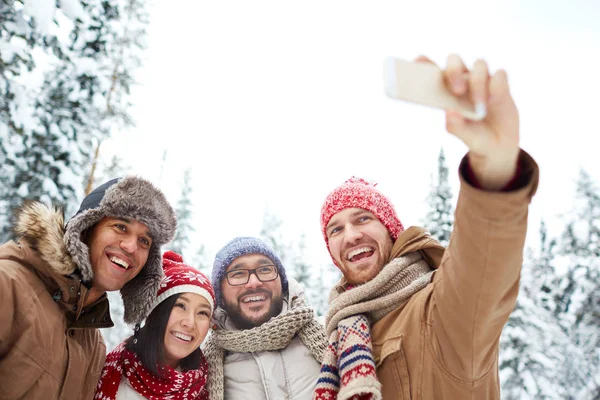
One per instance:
[(414, 238), (41, 231)]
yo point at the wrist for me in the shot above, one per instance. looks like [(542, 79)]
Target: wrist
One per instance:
[(493, 173)]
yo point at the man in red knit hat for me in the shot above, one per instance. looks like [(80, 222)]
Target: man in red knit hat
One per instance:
[(410, 319)]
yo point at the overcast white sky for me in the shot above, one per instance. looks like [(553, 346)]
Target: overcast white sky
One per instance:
[(275, 103)]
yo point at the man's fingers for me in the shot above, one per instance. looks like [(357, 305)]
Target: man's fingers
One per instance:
[(455, 75), (463, 129), (479, 79), (424, 59), (454, 121), (478, 82), (498, 86)]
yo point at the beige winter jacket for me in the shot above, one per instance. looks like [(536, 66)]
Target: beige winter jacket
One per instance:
[(49, 345), (443, 344)]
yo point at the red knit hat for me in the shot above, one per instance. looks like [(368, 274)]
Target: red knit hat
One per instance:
[(181, 278), (358, 193)]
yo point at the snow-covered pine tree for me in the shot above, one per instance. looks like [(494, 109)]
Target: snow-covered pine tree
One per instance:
[(183, 211), (18, 39), (52, 128), (319, 298), (293, 256), (592, 389), (578, 289), (271, 232), (327, 276), (440, 214), (122, 35), (305, 275), (543, 273), (201, 262), (301, 268), (537, 358)]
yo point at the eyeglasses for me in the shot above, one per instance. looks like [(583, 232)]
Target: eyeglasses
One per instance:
[(264, 273)]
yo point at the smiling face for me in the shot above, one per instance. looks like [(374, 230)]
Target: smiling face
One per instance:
[(118, 251), (254, 303), (187, 327), (359, 243)]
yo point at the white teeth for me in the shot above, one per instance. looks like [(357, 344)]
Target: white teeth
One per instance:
[(253, 298), (117, 260), (358, 251), (181, 336)]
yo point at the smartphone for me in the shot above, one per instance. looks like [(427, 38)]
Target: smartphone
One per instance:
[(423, 83)]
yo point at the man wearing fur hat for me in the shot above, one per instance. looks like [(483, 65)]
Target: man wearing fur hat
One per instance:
[(410, 319), (54, 279), (266, 342)]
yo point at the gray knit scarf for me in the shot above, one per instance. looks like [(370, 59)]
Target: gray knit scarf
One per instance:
[(274, 334), (348, 369)]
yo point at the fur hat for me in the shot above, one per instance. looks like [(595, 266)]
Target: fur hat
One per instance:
[(181, 278), (238, 247), (134, 198), (358, 193)]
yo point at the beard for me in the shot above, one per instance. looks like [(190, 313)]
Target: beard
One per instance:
[(383, 251), (243, 321)]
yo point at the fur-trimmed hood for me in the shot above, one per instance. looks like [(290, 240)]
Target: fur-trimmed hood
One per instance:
[(42, 227), (62, 248)]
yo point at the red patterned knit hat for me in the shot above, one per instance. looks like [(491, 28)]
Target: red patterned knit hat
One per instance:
[(181, 278), (359, 193)]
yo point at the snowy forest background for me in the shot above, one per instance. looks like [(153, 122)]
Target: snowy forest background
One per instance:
[(66, 72)]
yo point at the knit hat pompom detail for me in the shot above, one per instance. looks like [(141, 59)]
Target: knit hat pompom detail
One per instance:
[(181, 278), (357, 180), (360, 193), (170, 257)]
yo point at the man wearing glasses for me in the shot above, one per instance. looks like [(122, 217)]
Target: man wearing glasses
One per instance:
[(266, 342)]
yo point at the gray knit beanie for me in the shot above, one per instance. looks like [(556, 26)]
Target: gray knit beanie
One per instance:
[(135, 198), (238, 247)]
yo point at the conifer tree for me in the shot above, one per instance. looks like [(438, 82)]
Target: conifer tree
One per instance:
[(183, 211), (201, 262), (578, 288), (301, 268), (50, 129), (440, 215), (272, 233), (538, 359)]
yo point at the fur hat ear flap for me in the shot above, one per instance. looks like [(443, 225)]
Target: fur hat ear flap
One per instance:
[(139, 293)]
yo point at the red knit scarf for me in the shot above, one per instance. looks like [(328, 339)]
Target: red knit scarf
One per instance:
[(173, 385)]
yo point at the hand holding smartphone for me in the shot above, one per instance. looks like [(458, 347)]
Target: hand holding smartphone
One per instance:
[(423, 83)]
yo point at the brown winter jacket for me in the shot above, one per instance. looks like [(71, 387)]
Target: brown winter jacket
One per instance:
[(443, 344), (49, 345)]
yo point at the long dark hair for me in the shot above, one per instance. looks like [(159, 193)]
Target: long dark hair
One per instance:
[(150, 342)]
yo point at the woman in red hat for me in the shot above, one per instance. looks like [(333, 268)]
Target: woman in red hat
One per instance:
[(163, 360)]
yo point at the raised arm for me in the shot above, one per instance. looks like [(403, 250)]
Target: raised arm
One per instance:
[(476, 286)]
